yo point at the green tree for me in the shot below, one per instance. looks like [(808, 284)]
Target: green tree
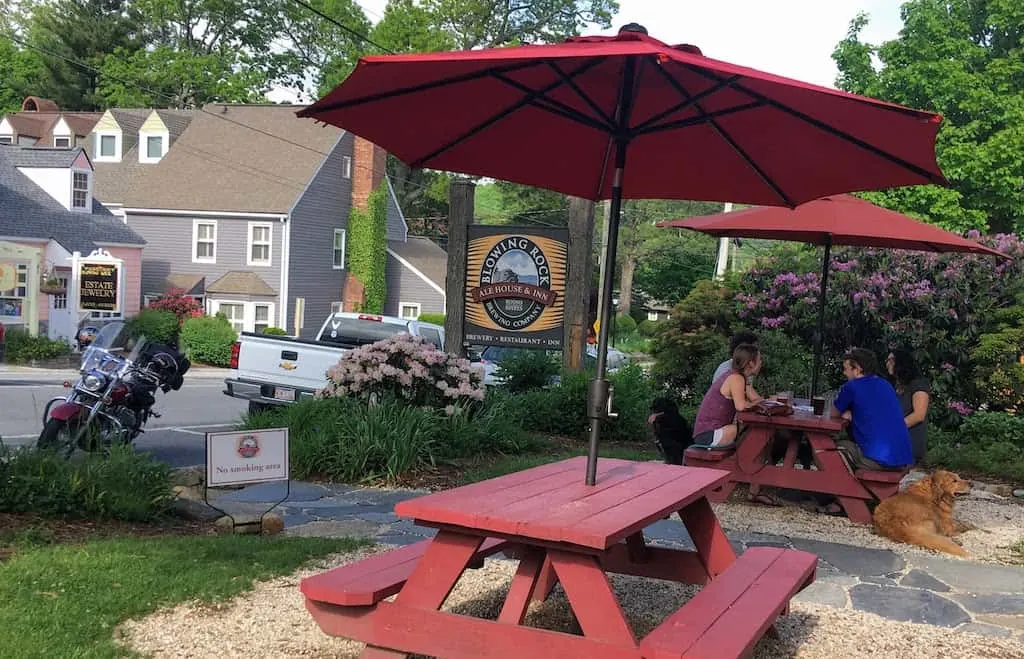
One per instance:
[(673, 262), (84, 31), (965, 60), (21, 74)]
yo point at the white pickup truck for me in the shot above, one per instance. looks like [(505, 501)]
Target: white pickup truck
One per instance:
[(277, 370)]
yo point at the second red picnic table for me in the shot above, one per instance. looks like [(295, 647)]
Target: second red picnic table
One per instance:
[(750, 463), (563, 531)]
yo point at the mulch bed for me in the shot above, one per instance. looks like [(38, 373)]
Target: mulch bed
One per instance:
[(63, 531)]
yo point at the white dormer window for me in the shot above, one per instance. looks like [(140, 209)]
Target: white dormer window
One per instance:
[(62, 142), (80, 190), (152, 146), (108, 147)]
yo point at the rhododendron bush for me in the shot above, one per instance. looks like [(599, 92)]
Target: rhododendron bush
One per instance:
[(405, 368)]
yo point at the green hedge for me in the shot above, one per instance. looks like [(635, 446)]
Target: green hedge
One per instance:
[(23, 347), (275, 331), (366, 255), (208, 340), (434, 318), (156, 325)]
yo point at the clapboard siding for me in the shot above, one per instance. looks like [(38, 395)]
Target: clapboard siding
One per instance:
[(397, 229), (169, 249), (406, 286), (321, 209)]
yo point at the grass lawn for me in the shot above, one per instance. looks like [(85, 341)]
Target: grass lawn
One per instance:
[(65, 600), (512, 463)]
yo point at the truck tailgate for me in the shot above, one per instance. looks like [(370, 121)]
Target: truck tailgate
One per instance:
[(286, 362)]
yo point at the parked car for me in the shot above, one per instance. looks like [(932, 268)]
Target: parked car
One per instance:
[(278, 370), (490, 358)]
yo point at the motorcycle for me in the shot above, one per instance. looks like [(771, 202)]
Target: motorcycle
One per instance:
[(114, 395)]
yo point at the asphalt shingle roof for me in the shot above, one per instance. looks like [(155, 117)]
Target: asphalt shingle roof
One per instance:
[(425, 255), (243, 158), (26, 211)]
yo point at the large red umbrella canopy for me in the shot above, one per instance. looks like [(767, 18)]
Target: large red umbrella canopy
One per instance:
[(696, 128), (837, 220), (630, 117), (840, 220)]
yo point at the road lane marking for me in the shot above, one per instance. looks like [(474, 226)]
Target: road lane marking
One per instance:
[(188, 430)]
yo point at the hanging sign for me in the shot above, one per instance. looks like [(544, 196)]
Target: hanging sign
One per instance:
[(515, 287), (98, 287)]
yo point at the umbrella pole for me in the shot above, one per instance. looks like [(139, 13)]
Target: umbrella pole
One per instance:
[(819, 338), (598, 399)]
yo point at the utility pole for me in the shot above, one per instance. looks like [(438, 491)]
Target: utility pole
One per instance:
[(723, 250)]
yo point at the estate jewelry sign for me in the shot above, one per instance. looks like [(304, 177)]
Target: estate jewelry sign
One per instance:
[(515, 286), (237, 458), (98, 287)]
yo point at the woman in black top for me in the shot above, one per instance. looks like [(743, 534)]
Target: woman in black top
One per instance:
[(914, 391)]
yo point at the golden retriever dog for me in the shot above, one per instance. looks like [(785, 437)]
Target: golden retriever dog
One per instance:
[(922, 514)]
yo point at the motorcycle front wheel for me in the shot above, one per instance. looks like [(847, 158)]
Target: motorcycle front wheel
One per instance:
[(58, 436)]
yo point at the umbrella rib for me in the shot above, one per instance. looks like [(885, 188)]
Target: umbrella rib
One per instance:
[(832, 130), (454, 80), (641, 128), (696, 121), (728, 138), (527, 100), (554, 106), (606, 118)]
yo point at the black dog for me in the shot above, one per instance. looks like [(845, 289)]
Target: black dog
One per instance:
[(673, 433)]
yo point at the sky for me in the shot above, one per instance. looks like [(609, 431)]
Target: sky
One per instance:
[(793, 38)]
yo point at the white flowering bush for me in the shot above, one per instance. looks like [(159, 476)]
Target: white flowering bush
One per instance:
[(405, 368)]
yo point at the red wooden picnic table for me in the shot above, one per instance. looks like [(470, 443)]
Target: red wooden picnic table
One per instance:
[(749, 462), (563, 531)]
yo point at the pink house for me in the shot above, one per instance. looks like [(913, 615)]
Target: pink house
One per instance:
[(49, 224)]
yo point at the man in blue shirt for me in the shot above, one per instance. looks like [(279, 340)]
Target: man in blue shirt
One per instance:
[(868, 401)]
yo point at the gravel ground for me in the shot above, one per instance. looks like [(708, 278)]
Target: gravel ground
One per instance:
[(1000, 523), (272, 621)]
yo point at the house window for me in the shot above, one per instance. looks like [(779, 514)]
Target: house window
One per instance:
[(61, 142), (346, 166), (108, 146), (652, 315), (259, 243), (12, 300), (204, 242), (339, 249), (79, 190), (337, 307), (61, 301), (234, 312), (6, 139), (154, 147), (261, 320), (409, 310)]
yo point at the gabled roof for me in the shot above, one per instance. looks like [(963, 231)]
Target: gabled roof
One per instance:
[(424, 255), (240, 282), (27, 212), (241, 158), (44, 157), (40, 125)]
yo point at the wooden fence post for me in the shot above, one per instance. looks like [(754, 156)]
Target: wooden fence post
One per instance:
[(577, 285), (461, 194)]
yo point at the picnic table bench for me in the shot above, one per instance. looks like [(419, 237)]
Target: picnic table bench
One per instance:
[(749, 463), (562, 531)]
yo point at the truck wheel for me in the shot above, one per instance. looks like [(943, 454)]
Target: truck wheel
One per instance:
[(256, 408)]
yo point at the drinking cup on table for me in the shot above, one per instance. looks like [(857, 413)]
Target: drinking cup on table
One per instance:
[(818, 404), (785, 397)]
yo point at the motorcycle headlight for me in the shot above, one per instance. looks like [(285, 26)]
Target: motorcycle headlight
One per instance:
[(92, 382)]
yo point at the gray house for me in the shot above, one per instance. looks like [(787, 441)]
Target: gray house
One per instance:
[(245, 207)]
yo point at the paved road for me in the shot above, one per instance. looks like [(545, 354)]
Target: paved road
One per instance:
[(177, 437)]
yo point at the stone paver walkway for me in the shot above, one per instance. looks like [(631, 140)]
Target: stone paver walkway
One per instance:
[(981, 598)]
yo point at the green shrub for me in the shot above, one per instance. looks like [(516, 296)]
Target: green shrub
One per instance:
[(275, 331), (998, 457), (435, 318), (366, 249), (527, 370), (208, 340), (992, 427), (648, 328), (624, 324), (123, 485), (156, 325), (23, 347)]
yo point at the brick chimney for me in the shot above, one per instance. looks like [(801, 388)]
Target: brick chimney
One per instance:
[(369, 162)]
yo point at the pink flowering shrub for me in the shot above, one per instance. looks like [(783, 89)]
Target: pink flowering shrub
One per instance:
[(405, 368)]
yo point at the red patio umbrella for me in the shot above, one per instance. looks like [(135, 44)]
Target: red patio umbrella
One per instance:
[(568, 117), (837, 220)]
